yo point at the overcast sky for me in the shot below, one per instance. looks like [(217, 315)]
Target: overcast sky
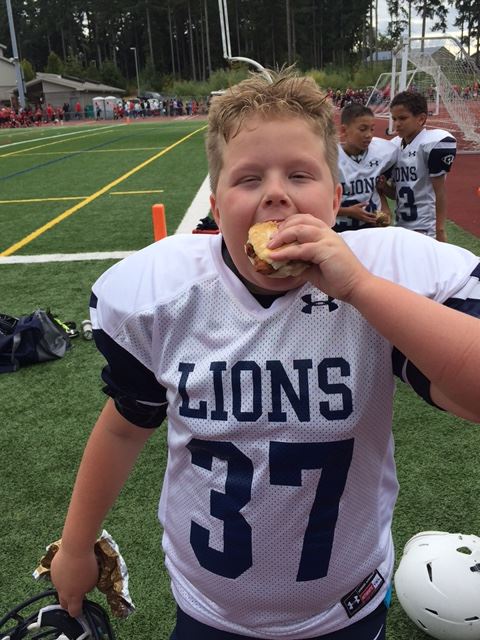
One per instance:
[(383, 19)]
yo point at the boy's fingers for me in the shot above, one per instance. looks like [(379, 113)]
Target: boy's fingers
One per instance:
[(73, 605)]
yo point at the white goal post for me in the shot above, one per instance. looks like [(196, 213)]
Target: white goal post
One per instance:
[(438, 67), (379, 98), (226, 45)]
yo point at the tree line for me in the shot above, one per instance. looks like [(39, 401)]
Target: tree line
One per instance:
[(181, 39)]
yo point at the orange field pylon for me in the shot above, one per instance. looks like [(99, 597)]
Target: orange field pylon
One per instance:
[(159, 222)]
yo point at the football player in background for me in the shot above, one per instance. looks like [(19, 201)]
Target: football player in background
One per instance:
[(425, 156), (362, 159), (280, 483)]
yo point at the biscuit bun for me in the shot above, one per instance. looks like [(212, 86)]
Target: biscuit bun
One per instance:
[(383, 219), (260, 256)]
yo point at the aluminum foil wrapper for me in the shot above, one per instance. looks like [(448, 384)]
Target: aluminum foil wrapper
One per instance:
[(113, 574)]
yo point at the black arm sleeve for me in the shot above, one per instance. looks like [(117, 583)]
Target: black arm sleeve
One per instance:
[(137, 394)]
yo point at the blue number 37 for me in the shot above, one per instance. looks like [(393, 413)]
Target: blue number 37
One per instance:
[(287, 460)]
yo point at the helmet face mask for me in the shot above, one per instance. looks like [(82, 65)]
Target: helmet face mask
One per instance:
[(438, 584), (42, 617)]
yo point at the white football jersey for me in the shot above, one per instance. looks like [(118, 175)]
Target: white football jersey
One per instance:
[(358, 178), (431, 153), (280, 484)]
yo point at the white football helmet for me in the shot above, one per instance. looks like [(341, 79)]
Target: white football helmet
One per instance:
[(438, 584)]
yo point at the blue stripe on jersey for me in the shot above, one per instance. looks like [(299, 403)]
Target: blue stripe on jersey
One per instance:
[(137, 394), (411, 375), (93, 301), (472, 307), (467, 300)]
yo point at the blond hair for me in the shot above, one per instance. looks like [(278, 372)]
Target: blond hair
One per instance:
[(287, 95)]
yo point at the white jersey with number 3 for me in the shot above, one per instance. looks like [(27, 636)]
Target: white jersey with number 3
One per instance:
[(280, 484), (430, 154)]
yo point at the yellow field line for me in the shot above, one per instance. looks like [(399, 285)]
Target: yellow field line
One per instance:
[(41, 200), (38, 232), (128, 193), (54, 199)]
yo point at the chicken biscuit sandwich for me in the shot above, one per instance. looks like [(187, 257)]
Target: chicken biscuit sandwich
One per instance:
[(259, 255)]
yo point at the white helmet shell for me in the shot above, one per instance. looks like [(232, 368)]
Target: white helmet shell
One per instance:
[(438, 584)]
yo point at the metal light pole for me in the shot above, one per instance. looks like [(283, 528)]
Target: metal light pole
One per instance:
[(16, 61), (134, 49)]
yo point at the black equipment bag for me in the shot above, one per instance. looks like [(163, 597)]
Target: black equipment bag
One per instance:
[(29, 339)]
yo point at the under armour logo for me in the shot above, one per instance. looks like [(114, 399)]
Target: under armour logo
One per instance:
[(353, 602), (374, 163), (318, 303), (412, 154), (448, 160)]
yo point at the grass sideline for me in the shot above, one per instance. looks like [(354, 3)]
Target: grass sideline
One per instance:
[(47, 410)]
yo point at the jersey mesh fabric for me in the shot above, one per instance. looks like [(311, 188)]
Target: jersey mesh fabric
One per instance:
[(280, 484)]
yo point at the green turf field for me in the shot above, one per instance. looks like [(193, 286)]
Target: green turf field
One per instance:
[(47, 410)]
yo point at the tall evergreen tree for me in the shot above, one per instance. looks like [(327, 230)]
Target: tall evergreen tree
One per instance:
[(182, 38)]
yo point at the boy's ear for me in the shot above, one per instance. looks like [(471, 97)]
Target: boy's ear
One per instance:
[(214, 210), (337, 198)]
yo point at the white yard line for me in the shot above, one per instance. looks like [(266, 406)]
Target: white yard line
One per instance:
[(66, 257), (58, 135), (198, 209)]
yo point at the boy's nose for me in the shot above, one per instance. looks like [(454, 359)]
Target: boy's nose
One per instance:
[(276, 196), (274, 200)]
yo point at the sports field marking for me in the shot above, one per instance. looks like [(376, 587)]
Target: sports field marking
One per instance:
[(48, 144), (66, 257), (60, 158), (134, 193), (59, 199), (66, 214), (198, 209), (42, 199), (59, 135), (64, 153)]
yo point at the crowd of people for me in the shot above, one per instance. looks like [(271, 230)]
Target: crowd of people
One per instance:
[(30, 116), (11, 118), (39, 114), (142, 108)]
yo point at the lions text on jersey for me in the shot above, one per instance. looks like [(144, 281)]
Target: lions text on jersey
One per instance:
[(358, 178), (280, 483), (431, 153)]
